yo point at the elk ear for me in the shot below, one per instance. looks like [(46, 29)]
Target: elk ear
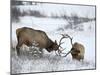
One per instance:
[(55, 41)]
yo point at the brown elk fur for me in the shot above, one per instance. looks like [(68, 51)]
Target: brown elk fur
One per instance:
[(27, 35), (77, 51)]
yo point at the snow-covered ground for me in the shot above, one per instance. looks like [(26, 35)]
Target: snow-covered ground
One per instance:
[(49, 61)]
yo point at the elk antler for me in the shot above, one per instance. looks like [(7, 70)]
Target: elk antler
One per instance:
[(63, 37), (59, 45), (67, 36), (59, 50)]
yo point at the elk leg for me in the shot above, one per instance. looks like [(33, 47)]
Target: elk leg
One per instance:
[(17, 49), (18, 46)]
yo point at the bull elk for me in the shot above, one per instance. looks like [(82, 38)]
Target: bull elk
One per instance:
[(77, 51), (27, 36)]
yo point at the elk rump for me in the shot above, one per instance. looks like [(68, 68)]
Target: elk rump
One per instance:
[(27, 36)]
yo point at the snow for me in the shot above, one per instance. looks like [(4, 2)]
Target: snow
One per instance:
[(48, 63), (27, 63)]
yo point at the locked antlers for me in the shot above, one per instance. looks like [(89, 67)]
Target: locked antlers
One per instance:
[(64, 36)]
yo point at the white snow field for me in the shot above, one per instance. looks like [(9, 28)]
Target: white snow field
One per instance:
[(50, 62)]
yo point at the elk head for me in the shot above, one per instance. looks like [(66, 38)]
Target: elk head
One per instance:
[(53, 46)]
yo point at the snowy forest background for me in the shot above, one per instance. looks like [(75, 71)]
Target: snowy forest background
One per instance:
[(76, 20)]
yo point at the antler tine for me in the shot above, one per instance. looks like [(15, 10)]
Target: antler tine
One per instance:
[(61, 39), (67, 36), (71, 38)]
